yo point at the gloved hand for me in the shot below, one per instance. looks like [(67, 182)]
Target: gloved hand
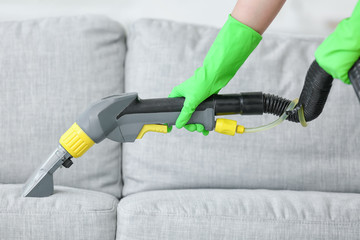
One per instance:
[(232, 46), (340, 50)]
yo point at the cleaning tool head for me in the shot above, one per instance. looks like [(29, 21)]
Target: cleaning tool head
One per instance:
[(41, 183)]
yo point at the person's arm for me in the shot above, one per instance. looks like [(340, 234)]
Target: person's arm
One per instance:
[(257, 14), (236, 40)]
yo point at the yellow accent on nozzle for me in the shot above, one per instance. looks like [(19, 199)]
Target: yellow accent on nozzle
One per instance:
[(76, 141), (152, 128)]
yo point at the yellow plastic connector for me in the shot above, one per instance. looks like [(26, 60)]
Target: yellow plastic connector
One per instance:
[(152, 128), (225, 126), (228, 127), (240, 129), (76, 141)]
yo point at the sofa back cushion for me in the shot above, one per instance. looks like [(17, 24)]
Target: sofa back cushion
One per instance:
[(324, 156), (51, 70)]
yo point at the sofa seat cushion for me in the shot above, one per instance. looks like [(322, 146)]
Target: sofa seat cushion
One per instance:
[(68, 214), (238, 214)]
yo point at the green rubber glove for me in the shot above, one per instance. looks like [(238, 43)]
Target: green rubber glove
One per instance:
[(232, 46), (340, 50)]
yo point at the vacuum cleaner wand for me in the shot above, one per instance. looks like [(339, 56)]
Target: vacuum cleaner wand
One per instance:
[(125, 118)]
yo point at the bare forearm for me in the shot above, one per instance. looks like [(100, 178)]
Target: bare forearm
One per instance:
[(257, 14)]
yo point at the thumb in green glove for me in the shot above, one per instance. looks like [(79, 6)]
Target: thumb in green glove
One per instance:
[(341, 49), (231, 48)]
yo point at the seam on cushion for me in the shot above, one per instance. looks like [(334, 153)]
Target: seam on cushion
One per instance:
[(247, 217), (104, 211), (122, 81), (325, 222), (82, 191), (59, 212)]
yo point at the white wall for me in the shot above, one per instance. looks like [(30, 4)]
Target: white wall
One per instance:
[(317, 17)]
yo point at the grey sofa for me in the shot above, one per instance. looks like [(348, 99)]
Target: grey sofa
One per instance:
[(288, 183)]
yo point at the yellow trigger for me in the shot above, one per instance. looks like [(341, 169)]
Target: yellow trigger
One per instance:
[(152, 128)]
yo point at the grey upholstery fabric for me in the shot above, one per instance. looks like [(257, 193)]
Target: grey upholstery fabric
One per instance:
[(238, 214), (68, 214), (324, 156), (51, 70)]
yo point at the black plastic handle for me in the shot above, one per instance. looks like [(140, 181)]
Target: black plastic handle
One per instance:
[(167, 110), (226, 104)]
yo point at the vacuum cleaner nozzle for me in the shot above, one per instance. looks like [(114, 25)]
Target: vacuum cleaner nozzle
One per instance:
[(41, 183)]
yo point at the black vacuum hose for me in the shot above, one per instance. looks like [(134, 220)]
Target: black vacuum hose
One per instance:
[(314, 93), (313, 96), (274, 104)]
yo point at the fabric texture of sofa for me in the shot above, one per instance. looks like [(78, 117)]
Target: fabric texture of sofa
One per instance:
[(287, 183)]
